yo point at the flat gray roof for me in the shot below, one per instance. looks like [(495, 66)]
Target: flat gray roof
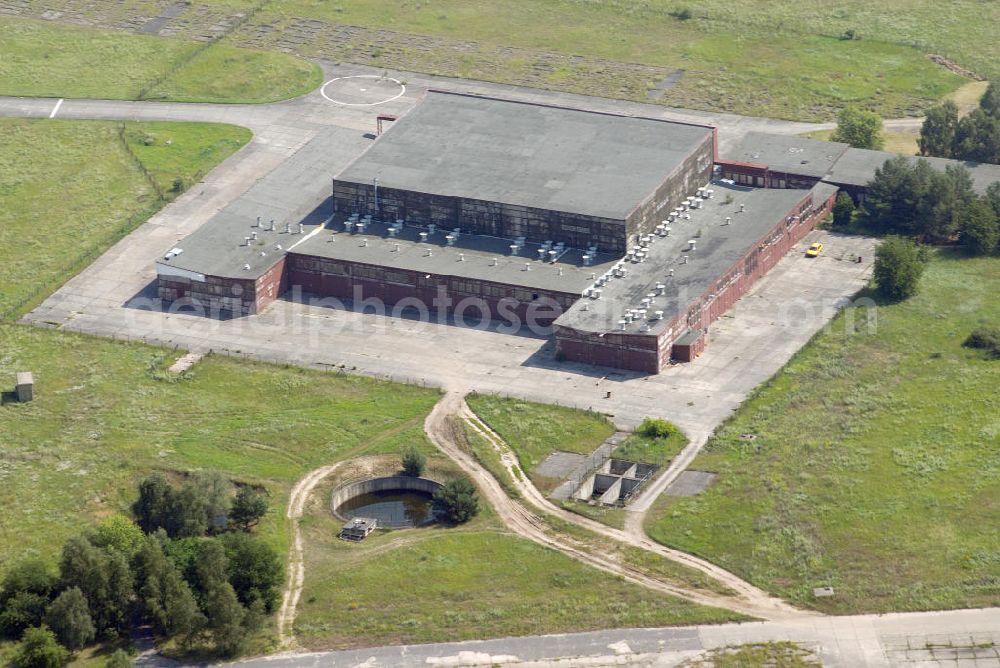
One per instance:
[(718, 247), (857, 167), (518, 153), (291, 193), (471, 256), (783, 153)]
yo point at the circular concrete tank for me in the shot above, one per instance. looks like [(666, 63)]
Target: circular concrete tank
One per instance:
[(395, 501)]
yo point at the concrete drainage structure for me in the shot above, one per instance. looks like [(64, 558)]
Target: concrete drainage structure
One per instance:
[(395, 507), (615, 482)]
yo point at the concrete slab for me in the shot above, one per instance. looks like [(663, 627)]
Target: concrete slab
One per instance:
[(690, 483)]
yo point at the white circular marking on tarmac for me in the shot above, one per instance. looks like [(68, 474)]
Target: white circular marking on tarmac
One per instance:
[(323, 92)]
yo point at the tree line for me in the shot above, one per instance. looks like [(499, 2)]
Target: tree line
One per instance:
[(974, 137), (188, 566)]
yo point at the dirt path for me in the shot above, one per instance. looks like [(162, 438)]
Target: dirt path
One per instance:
[(521, 520), (295, 566)]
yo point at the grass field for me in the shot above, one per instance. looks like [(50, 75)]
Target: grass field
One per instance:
[(776, 59), (432, 584), (534, 431), (69, 189), (50, 60), (875, 467)]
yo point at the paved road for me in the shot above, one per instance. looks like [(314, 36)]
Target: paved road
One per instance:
[(933, 639)]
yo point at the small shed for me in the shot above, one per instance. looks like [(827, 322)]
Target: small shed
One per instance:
[(25, 388), (689, 345), (358, 528)]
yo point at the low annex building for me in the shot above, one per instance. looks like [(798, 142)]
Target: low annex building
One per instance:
[(606, 228)]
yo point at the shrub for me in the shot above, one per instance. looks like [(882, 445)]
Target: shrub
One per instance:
[(39, 649), (656, 428), (456, 501), (118, 659), (843, 209), (899, 263), (987, 339), (414, 462)]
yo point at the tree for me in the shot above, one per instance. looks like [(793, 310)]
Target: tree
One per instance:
[(211, 568), (24, 594), (977, 137), (224, 618), (69, 618), (249, 506), (859, 128), (990, 101), (119, 533), (255, 570), (414, 461), (21, 611), (39, 649), (843, 209), (456, 501), (189, 509), (980, 229), (154, 502), (899, 263), (104, 578), (937, 135), (215, 490), (29, 575), (165, 597), (993, 197)]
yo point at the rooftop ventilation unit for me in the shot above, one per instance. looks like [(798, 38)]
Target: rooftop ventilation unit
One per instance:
[(493, 262), (657, 315), (660, 287), (288, 228), (423, 237), (348, 225), (623, 325), (742, 207), (729, 220), (392, 231), (253, 236), (514, 248), (691, 244), (596, 294), (450, 239), (395, 248), (172, 253), (364, 243), (428, 252), (527, 266), (541, 253), (684, 259), (457, 232), (270, 227), (246, 241), (588, 259), (299, 228), (257, 224), (670, 272), (461, 257), (431, 228)]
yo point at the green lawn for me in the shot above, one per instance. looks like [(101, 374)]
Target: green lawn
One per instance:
[(659, 451), (782, 60), (69, 189), (875, 467), (534, 431), (428, 585), (43, 59)]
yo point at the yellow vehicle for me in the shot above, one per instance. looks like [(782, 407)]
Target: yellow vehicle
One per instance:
[(814, 250)]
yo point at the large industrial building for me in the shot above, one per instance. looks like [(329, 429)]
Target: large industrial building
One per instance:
[(607, 228)]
